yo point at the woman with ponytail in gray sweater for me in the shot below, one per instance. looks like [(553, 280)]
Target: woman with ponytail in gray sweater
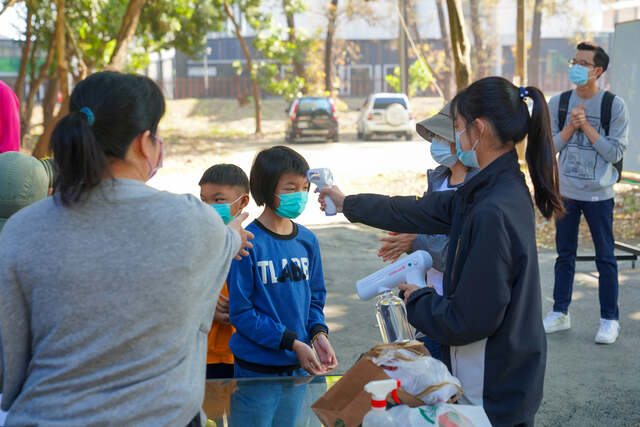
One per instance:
[(107, 289)]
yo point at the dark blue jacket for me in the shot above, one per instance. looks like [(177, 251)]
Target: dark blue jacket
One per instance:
[(489, 318)]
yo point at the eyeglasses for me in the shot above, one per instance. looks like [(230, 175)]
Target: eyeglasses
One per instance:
[(582, 62)]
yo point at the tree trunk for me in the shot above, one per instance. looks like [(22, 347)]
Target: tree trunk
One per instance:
[(61, 51), (328, 46), (477, 60), (127, 30), (298, 64), (26, 51), (49, 100), (459, 44), (255, 86), (43, 148), (446, 78), (83, 69), (534, 54), (34, 86)]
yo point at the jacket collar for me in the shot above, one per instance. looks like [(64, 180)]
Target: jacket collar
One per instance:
[(504, 163)]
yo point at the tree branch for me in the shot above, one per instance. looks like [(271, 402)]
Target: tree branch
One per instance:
[(7, 5)]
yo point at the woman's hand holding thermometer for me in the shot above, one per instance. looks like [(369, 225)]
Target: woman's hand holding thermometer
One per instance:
[(330, 194), (323, 178)]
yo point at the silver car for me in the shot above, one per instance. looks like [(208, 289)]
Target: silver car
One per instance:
[(386, 114)]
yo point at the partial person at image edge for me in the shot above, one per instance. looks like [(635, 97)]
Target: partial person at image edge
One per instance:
[(23, 181), (9, 119)]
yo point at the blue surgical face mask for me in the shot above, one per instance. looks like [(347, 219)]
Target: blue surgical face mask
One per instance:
[(224, 210), (467, 158), (579, 74), (292, 204), (441, 153)]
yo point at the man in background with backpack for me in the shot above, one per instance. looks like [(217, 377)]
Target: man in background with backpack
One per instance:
[(590, 128)]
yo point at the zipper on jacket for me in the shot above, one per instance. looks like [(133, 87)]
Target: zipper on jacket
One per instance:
[(455, 260)]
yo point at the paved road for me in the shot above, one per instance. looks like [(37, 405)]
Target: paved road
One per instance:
[(347, 159)]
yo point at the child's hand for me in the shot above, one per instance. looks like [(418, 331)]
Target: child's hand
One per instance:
[(325, 352), (334, 193), (307, 358), (245, 235), (395, 244), (221, 315)]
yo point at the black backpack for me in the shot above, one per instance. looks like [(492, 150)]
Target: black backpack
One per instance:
[(605, 117)]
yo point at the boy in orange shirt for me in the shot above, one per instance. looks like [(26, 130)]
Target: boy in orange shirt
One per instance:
[(226, 188)]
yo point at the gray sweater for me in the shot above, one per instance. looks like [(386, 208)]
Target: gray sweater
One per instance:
[(105, 307), (586, 170)]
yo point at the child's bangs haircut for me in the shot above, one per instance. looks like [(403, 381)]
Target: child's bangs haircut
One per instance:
[(268, 166), (226, 174)]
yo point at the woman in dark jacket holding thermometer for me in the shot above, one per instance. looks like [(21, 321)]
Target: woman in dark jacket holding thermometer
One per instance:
[(489, 318)]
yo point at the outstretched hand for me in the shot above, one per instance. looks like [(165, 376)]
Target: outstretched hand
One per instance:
[(245, 235), (394, 245)]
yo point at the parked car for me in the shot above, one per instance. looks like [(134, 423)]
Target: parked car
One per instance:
[(311, 117), (386, 114)]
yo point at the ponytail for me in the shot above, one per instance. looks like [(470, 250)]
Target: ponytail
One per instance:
[(541, 158), (108, 110), (503, 105), (79, 158)]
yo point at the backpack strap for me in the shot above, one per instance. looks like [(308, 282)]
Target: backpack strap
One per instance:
[(605, 122), (563, 109), (605, 111)]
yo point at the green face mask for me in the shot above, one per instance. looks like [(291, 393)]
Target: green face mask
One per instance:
[(292, 204), (224, 210)]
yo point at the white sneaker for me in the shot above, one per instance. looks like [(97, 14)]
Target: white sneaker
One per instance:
[(608, 332), (556, 321)]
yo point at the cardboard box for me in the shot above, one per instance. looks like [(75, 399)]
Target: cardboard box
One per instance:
[(346, 403)]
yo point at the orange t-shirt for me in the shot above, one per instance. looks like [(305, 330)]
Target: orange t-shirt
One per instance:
[(218, 350)]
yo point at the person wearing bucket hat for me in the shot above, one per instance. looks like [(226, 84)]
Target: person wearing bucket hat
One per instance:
[(449, 175), (23, 181), (50, 167)]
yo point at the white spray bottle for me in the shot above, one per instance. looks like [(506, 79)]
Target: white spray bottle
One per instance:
[(378, 415)]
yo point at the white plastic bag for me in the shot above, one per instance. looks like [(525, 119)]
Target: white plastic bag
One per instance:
[(432, 416), (425, 377)]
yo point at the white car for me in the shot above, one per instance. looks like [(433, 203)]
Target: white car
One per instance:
[(385, 114)]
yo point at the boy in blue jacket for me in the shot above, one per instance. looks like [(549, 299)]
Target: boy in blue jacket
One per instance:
[(277, 294)]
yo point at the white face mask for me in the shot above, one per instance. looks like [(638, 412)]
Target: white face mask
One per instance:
[(441, 153)]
